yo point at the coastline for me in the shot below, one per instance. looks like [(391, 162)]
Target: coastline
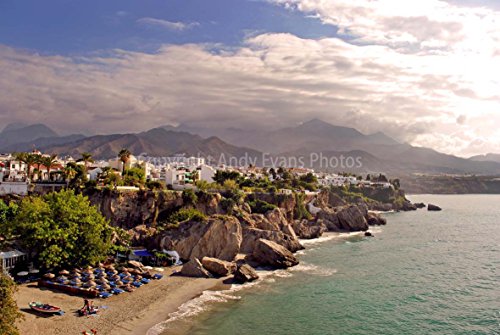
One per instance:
[(157, 303), (201, 307), (127, 314)]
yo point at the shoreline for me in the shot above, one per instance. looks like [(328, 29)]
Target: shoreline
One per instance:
[(156, 302), (128, 314)]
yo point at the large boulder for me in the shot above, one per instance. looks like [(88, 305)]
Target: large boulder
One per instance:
[(346, 218), (245, 273), (432, 207), (351, 218), (408, 206), (251, 236), (270, 253), (218, 267), (194, 268), (309, 229), (218, 237), (222, 239), (374, 219)]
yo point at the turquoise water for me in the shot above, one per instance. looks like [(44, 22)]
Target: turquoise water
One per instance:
[(423, 273)]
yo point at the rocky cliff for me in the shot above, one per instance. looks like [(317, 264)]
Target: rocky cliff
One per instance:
[(267, 239)]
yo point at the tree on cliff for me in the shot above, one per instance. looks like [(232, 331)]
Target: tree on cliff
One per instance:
[(135, 176), (7, 215), (63, 229), (10, 313), (221, 176), (124, 156)]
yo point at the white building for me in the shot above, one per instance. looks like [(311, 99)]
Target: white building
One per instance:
[(206, 173), (9, 259)]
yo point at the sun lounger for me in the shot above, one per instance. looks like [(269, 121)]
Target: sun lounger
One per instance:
[(105, 295)]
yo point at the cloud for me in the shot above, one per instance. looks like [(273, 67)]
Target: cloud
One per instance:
[(174, 26), (435, 87)]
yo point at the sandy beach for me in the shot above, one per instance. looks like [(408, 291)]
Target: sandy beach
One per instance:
[(126, 314)]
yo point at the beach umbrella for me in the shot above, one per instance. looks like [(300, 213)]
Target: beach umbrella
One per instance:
[(34, 271), (159, 269), (23, 273), (148, 268), (49, 275), (90, 284), (64, 272), (101, 280)]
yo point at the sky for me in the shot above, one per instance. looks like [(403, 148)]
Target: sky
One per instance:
[(424, 72)]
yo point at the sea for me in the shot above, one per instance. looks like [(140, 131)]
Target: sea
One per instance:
[(422, 273)]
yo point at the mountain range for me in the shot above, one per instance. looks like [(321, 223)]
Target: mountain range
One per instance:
[(375, 152)]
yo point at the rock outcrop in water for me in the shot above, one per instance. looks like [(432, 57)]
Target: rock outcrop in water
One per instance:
[(434, 208), (345, 218), (272, 254), (245, 273)]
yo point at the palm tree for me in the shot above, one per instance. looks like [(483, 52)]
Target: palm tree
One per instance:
[(70, 171), (49, 161), (124, 156), (27, 158), (86, 159), (30, 162), (38, 160)]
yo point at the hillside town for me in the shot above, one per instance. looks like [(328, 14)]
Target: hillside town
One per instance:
[(22, 173)]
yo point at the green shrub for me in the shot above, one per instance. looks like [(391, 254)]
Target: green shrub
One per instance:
[(186, 214), (189, 197), (261, 207)]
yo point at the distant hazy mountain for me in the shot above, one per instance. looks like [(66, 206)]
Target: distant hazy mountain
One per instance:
[(156, 142), (42, 143), (313, 135), (377, 152), (22, 137), (486, 158), (380, 152), (19, 133)]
